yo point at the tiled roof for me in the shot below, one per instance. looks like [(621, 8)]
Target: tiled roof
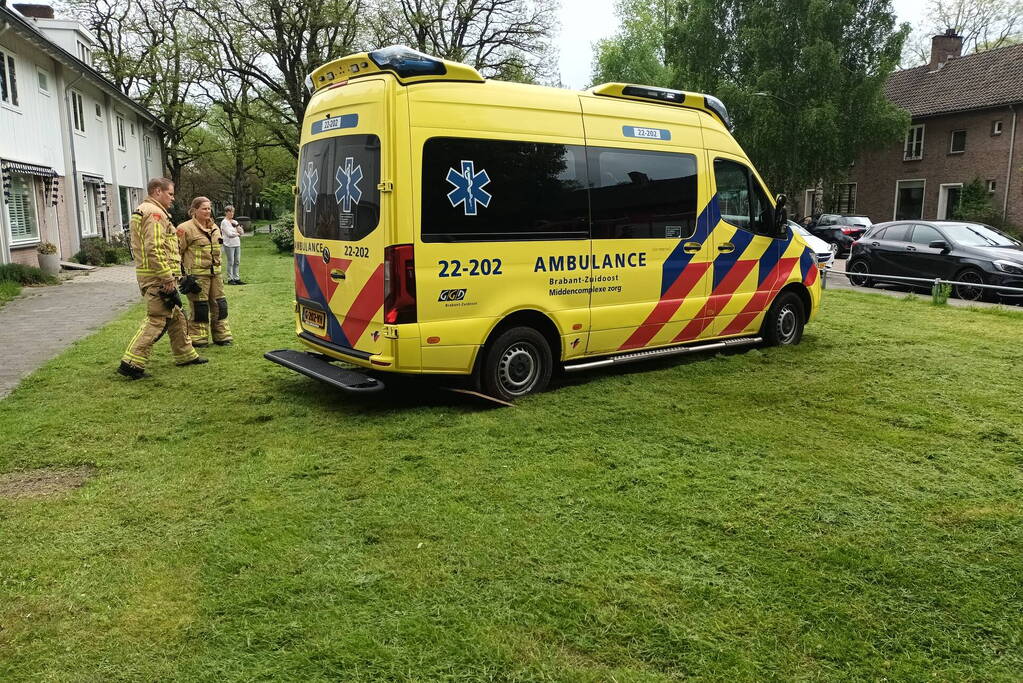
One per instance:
[(977, 81)]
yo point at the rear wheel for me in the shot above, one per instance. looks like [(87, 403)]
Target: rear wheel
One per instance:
[(783, 325), (857, 270), (517, 363), (968, 291)]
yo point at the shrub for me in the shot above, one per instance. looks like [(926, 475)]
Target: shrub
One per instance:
[(8, 290), (96, 251), (47, 248), (283, 233), (25, 275)]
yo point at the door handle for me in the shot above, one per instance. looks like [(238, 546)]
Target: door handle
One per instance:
[(691, 247), (337, 274), (875, 244), (726, 247), (910, 248)]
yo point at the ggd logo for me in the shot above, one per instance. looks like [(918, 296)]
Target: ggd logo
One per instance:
[(451, 295)]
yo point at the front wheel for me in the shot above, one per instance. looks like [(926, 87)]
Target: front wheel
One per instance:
[(966, 290), (783, 325), (516, 364), (857, 271)]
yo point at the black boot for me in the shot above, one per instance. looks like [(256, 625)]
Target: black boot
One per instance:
[(195, 361), (130, 371)]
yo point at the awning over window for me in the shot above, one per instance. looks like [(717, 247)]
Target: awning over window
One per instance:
[(101, 187), (8, 167), (31, 169), (93, 179)]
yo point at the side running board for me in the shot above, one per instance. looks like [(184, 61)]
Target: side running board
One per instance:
[(661, 353), (314, 365)]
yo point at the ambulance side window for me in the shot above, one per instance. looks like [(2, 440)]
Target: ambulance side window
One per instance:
[(641, 194), (477, 190), (741, 200), (338, 197)]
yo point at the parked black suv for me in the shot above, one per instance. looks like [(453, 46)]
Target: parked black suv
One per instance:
[(840, 230), (971, 253)]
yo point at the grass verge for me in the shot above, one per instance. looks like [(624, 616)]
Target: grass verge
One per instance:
[(849, 508)]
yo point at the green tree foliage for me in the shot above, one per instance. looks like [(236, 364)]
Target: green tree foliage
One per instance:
[(819, 66), (636, 54), (975, 204)]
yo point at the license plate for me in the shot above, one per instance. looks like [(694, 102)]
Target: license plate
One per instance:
[(314, 318)]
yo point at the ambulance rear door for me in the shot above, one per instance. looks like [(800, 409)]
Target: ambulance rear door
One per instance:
[(342, 219)]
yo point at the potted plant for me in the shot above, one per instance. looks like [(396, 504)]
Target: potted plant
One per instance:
[(49, 261)]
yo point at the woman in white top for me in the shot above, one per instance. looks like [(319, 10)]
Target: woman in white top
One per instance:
[(232, 233)]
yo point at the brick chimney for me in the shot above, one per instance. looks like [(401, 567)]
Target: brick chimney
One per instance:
[(944, 47)]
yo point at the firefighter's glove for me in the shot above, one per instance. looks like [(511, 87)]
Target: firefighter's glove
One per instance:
[(189, 285)]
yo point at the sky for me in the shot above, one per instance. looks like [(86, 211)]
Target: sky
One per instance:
[(584, 22)]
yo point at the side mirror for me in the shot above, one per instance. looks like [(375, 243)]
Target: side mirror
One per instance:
[(781, 214), (939, 244)]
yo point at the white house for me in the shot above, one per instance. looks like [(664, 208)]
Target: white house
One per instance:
[(75, 152)]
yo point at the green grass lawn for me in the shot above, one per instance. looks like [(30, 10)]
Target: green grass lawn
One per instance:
[(846, 509)]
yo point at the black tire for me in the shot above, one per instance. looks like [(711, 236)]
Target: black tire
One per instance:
[(783, 324), (515, 364), (859, 266), (974, 293)]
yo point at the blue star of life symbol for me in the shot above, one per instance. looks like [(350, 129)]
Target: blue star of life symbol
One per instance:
[(468, 188), (348, 184), (310, 179)]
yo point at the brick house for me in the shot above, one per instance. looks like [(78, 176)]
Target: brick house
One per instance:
[(964, 126)]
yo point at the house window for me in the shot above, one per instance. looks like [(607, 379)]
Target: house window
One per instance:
[(909, 199), (846, 199), (8, 79), (21, 208), (77, 110), (957, 143), (84, 53), (914, 143), (132, 125), (991, 186), (996, 127), (44, 81), (148, 145), (99, 112), (120, 132)]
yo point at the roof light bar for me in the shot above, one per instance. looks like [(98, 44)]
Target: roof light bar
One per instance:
[(407, 62), (718, 107), (651, 93)]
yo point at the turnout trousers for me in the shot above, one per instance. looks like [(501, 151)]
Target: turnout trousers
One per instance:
[(159, 321), (208, 310)]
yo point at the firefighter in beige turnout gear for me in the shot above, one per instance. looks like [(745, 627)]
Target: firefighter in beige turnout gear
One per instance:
[(199, 240), (154, 244)]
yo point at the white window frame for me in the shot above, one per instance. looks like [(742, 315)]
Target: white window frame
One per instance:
[(996, 127), (40, 71), (943, 189), (121, 142), (91, 210), (99, 111), (78, 112), (84, 53), (132, 128), (909, 143), (33, 239), (951, 139), (895, 204), (147, 143), (992, 186), (13, 101)]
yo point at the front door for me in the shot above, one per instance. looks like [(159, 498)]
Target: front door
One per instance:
[(339, 255)]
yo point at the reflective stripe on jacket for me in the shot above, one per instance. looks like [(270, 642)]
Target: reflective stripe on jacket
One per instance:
[(200, 248), (154, 242)]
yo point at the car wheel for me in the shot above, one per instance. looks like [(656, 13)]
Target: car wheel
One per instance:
[(783, 325), (516, 364), (966, 291), (857, 270)]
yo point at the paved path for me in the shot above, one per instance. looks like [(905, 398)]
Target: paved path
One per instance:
[(44, 321)]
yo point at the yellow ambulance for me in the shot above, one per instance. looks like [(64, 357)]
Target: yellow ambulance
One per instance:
[(450, 224)]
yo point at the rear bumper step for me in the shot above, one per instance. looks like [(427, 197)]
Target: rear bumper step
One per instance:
[(660, 353), (314, 365)]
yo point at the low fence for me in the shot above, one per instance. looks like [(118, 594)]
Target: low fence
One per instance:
[(940, 288)]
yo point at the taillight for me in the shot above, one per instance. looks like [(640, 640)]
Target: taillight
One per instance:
[(851, 231), (399, 284)]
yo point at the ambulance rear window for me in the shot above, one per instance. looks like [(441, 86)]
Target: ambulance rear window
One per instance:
[(338, 197)]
